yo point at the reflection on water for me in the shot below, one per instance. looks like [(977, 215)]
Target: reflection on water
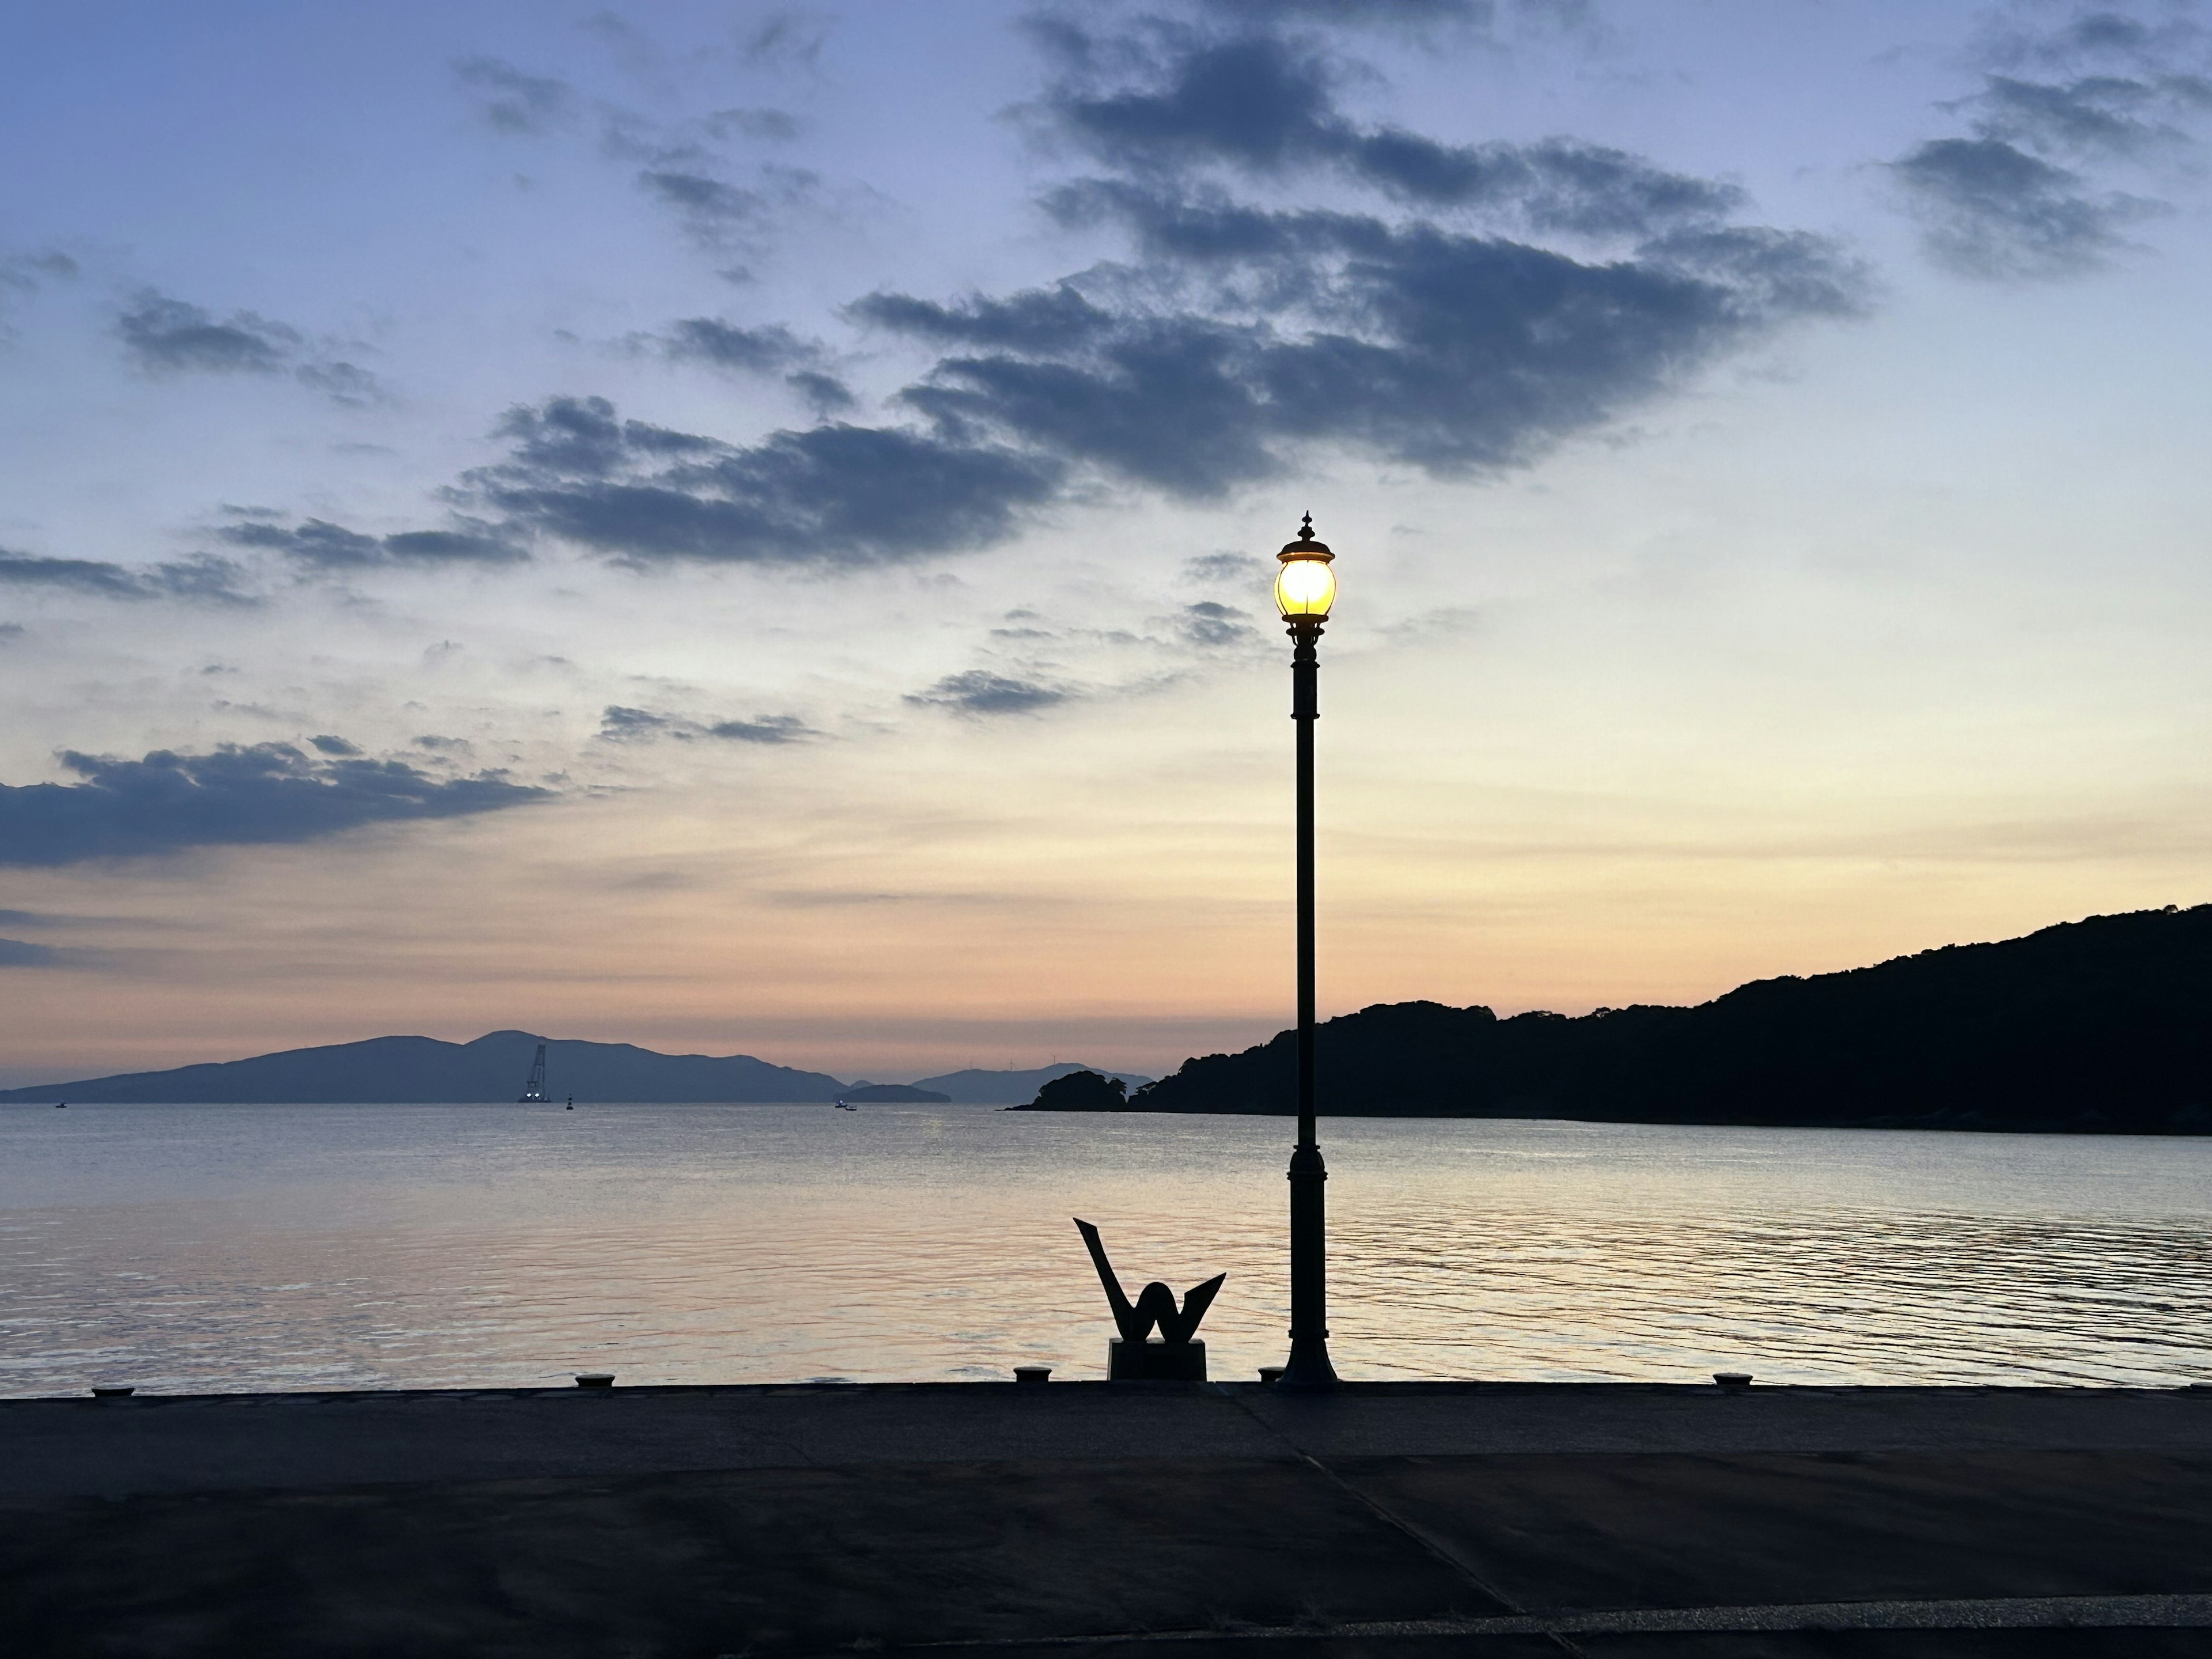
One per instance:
[(259, 1247)]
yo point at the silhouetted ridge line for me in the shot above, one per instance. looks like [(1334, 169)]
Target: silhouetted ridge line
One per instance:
[(402, 1070), (2100, 1025)]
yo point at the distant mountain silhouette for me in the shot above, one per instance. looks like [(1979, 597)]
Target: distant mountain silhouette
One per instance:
[(976, 1088), (2102, 1025), (402, 1069), (887, 1091)]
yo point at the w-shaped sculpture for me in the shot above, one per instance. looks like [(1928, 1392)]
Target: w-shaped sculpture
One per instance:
[(1130, 1357)]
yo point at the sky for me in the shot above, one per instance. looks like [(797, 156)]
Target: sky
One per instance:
[(746, 528)]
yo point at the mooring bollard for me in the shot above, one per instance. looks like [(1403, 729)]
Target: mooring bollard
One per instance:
[(112, 1391), (1032, 1373), (1270, 1375), (1733, 1382), (595, 1379)]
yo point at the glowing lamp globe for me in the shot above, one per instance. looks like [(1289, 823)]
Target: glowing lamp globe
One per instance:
[(1305, 586)]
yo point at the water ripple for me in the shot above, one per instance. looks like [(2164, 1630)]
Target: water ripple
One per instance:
[(205, 1248)]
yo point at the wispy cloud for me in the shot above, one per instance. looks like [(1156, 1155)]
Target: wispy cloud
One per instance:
[(979, 691), (219, 581), (164, 336)]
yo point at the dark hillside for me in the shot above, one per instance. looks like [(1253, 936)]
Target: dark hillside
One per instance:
[(398, 1069), (2102, 1025)]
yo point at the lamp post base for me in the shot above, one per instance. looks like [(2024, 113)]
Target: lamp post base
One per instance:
[(1308, 1368)]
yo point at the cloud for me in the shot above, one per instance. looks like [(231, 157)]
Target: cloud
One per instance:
[(765, 728), (768, 349), (24, 276), (211, 580), (515, 102), (1437, 332), (1211, 625), (164, 336), (1225, 567), (237, 795), (1990, 210), (1241, 334), (1264, 105), (978, 691), (2095, 115), (770, 124), (621, 724), (324, 546), (1360, 13), (20, 953), (169, 336), (837, 495), (618, 724), (335, 745), (2008, 202), (710, 208), (791, 39), (1452, 351)]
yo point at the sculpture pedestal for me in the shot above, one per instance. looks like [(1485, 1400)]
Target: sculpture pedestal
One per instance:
[(1155, 1362)]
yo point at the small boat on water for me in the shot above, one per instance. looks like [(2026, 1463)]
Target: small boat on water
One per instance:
[(846, 1106), (533, 1091)]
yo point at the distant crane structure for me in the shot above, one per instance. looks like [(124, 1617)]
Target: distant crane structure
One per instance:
[(533, 1093)]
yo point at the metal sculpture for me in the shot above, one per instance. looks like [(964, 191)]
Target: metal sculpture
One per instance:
[(1131, 1357)]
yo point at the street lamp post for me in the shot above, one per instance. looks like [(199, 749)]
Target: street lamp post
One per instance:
[(1305, 587)]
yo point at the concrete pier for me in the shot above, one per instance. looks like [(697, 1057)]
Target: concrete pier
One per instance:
[(1075, 1518)]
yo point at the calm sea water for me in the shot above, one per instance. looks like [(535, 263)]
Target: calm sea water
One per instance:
[(209, 1248)]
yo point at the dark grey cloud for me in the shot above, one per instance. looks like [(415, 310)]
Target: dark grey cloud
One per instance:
[(330, 744), (1359, 14), (515, 102), (237, 795), (834, 496), (764, 728), (165, 336), (2027, 193), (978, 691), (1211, 625), (215, 580), (618, 724), (322, 545), (21, 953), (766, 349), (712, 210), (621, 724), (1452, 352), (27, 273), (2101, 114), (824, 393), (168, 337), (1234, 338), (770, 349), (1264, 104), (1989, 210)]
